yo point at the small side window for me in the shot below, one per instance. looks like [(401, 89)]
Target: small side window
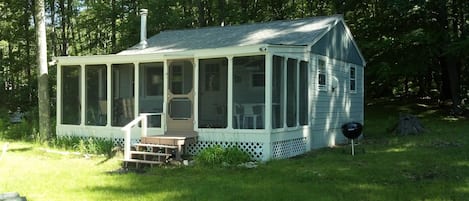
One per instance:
[(322, 78), (353, 82)]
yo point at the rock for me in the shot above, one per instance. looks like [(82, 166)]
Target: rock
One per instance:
[(408, 124), (11, 196), (248, 165)]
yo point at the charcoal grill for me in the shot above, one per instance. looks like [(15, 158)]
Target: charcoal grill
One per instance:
[(352, 130)]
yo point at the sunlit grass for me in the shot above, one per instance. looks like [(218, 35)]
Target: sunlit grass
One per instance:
[(430, 166)]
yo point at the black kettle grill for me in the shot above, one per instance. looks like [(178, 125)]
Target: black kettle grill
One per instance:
[(352, 130)]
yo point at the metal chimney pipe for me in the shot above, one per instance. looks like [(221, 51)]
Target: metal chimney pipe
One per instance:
[(143, 28)]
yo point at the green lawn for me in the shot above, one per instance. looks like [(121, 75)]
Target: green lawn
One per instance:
[(431, 166)]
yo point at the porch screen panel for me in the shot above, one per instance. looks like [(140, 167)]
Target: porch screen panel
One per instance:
[(249, 92), (277, 91), (71, 106), (292, 69), (122, 94), (96, 95), (151, 91), (303, 107), (213, 93)]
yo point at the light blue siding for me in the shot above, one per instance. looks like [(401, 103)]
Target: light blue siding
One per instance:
[(337, 44), (330, 109)]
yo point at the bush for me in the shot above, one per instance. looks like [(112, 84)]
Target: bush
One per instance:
[(87, 145), (217, 156), (234, 156), (20, 131)]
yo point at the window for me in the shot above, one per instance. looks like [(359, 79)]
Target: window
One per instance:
[(71, 98), (292, 91), (248, 92), (153, 79), (303, 93), (213, 90), (151, 91), (322, 75), (96, 95), (122, 94), (353, 75), (278, 91)]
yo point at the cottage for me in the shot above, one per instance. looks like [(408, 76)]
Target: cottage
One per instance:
[(275, 89)]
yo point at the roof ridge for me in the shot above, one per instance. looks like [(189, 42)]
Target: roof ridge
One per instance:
[(252, 23)]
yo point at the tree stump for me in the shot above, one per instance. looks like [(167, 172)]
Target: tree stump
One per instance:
[(408, 124)]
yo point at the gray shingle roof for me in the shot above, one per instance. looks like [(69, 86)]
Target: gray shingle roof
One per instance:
[(287, 32)]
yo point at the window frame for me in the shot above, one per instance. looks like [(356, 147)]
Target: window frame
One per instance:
[(352, 79), (321, 70)]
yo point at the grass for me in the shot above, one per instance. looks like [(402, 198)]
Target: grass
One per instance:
[(431, 166)]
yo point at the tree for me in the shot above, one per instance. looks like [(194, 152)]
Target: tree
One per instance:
[(43, 76)]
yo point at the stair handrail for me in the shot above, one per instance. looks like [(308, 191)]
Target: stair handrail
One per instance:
[(143, 117)]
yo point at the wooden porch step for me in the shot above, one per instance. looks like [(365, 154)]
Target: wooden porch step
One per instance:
[(149, 153), (156, 145), (143, 161)]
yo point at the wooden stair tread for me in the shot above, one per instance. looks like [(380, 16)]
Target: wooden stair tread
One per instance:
[(149, 153), (143, 161), (156, 145)]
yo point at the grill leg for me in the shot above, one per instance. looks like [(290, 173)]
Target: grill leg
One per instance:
[(353, 150)]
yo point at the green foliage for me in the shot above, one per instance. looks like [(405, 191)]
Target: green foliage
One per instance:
[(87, 145), (20, 131), (218, 156), (210, 156), (234, 155)]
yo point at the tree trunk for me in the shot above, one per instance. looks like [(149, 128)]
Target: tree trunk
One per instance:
[(53, 34), (28, 52), (63, 13), (43, 76), (113, 26), (203, 21)]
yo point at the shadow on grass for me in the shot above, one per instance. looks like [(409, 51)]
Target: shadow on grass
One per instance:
[(22, 149), (383, 173), (432, 166)]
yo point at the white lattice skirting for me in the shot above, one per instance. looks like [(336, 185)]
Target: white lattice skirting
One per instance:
[(280, 149), (254, 149), (288, 148)]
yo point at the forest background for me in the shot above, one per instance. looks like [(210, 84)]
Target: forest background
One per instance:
[(415, 49)]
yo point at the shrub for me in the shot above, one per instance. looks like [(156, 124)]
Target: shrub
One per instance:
[(210, 156), (20, 131), (234, 156), (217, 156), (87, 145)]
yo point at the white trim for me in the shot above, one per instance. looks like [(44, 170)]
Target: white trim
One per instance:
[(82, 94), (109, 95), (59, 96), (268, 92), (230, 93), (195, 87), (322, 87), (136, 83), (154, 57)]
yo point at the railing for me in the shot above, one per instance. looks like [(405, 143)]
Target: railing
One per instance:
[(143, 132)]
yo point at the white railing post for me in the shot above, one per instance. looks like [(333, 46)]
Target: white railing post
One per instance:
[(128, 129), (144, 124), (127, 145)]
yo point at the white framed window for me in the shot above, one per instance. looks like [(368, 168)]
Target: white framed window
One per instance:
[(322, 75), (257, 79), (352, 79)]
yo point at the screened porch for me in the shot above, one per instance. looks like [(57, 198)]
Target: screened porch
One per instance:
[(231, 93)]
